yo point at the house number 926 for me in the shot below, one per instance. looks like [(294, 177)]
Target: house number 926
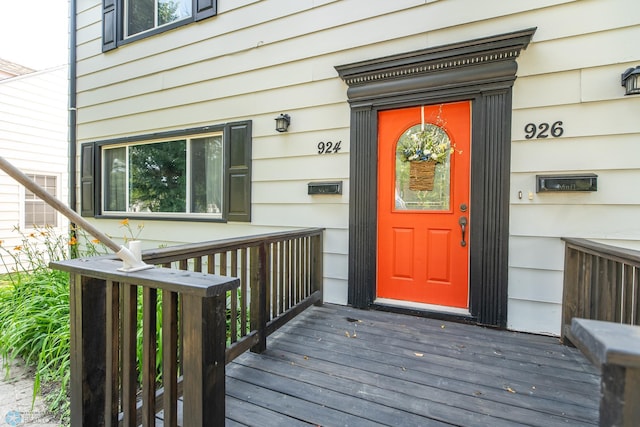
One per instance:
[(543, 130), (328, 147)]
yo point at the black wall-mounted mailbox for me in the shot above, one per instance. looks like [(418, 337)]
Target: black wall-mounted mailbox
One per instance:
[(585, 182), (334, 187)]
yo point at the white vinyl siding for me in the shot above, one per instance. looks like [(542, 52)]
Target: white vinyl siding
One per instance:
[(33, 137), (260, 59)]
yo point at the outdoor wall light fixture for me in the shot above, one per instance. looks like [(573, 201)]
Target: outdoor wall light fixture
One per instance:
[(282, 122), (631, 81)]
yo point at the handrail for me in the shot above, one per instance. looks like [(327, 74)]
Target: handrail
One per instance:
[(616, 253), (601, 282), (190, 250), (274, 277)]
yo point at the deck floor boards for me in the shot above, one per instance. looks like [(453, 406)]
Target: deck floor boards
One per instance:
[(338, 366)]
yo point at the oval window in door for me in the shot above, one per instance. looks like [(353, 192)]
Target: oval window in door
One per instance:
[(420, 182)]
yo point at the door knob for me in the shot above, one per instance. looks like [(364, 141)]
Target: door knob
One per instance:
[(463, 227)]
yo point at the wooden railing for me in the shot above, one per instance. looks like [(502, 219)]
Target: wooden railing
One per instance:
[(601, 282), (210, 303)]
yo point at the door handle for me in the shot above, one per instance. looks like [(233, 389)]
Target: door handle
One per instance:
[(463, 227)]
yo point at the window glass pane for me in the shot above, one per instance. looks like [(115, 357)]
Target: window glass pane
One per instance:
[(157, 177), (139, 16), (206, 175), (410, 174), (115, 179), (143, 15), (173, 10)]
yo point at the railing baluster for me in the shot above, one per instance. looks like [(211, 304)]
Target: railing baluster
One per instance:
[(169, 357), (287, 274), (112, 364), (274, 280), (149, 346), (244, 289), (211, 264), (636, 296), (129, 371)]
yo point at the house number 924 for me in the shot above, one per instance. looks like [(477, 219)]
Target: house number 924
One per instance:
[(328, 147), (543, 130)]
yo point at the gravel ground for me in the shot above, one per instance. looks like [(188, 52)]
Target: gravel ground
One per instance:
[(16, 393)]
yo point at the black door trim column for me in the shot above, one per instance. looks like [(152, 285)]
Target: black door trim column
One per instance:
[(481, 70)]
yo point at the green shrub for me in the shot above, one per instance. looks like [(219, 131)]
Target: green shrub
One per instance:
[(34, 309), (34, 325)]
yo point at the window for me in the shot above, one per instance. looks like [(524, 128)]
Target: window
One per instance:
[(199, 173), (36, 212), (128, 20), (143, 15), (181, 176)]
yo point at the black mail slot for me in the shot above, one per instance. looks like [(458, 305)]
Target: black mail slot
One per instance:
[(585, 182), (334, 187)]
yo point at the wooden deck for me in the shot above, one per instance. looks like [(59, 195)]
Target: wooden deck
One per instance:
[(337, 366)]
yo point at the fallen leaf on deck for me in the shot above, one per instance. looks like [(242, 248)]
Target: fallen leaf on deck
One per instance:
[(352, 320), (442, 326), (306, 357), (419, 354), (347, 334), (477, 393), (510, 390)]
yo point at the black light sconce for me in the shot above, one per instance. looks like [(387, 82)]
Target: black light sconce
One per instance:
[(631, 81), (282, 122)]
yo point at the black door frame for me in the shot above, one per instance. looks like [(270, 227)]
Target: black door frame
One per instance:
[(481, 70)]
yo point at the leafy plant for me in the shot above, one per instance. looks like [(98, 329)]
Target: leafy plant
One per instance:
[(431, 142), (34, 325)]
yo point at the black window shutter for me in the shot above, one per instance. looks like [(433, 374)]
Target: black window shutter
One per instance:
[(109, 25), (87, 187), (205, 9), (238, 179)]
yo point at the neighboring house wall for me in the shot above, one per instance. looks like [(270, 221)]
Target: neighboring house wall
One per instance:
[(258, 59), (33, 137)]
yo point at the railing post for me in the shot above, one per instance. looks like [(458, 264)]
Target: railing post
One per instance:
[(259, 296), (317, 266), (204, 360), (88, 355), (569, 291)]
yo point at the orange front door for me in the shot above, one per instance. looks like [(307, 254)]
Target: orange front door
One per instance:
[(423, 235)]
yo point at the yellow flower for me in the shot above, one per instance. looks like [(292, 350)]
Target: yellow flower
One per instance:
[(125, 221), (96, 241), (32, 235), (73, 241), (17, 248)]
